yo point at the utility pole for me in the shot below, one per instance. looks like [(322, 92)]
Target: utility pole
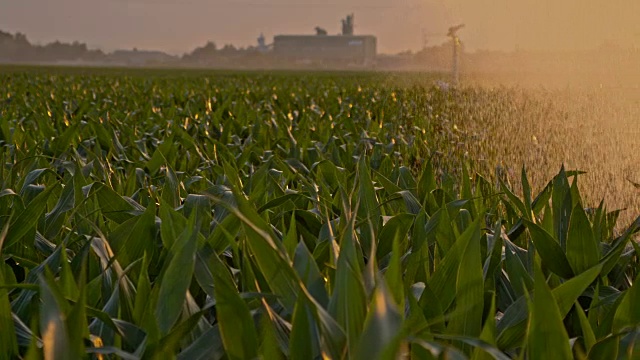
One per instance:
[(425, 39), (453, 34)]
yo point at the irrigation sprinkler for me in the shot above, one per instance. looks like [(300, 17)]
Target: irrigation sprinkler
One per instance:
[(453, 34)]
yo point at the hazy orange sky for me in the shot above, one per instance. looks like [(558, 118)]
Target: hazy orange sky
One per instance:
[(179, 26)]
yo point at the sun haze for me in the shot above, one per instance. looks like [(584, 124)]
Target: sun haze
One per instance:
[(179, 26)]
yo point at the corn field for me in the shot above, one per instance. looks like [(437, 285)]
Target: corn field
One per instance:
[(214, 215)]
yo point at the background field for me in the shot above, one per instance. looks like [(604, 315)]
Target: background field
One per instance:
[(306, 215)]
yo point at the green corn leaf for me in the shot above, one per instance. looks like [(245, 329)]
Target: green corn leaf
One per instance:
[(31, 178), (612, 257), (381, 336), (160, 155), (469, 290), (271, 346), (465, 191), (511, 329), (113, 206), (131, 239), (628, 312), (55, 336), (26, 221), (435, 350), (444, 234), (562, 206), (171, 189), (550, 251), (607, 348), (488, 335), (207, 346), (394, 272), (432, 310), (22, 304), (237, 330), (279, 201), (368, 207), (491, 351), (170, 343), (309, 273), (348, 303), (55, 219), (176, 278), (290, 241), (333, 337), (447, 271), (141, 307), (583, 250), (514, 200), (569, 291), (526, 192), (200, 206), (588, 337), (171, 226), (542, 199), (389, 186), (66, 139), (427, 182), (77, 322), (396, 229), (304, 341), (520, 279), (493, 262), (547, 337), (67, 282), (8, 340)]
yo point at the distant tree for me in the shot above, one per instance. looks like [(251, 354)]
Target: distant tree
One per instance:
[(228, 49), (211, 46), (21, 39), (202, 54)]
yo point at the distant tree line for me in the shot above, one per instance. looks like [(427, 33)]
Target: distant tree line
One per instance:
[(228, 55), (16, 48)]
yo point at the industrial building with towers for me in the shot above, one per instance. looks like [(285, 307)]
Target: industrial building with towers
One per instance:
[(345, 48)]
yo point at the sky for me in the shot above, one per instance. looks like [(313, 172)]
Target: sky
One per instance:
[(179, 26)]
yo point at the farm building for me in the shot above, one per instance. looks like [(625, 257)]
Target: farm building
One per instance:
[(347, 48)]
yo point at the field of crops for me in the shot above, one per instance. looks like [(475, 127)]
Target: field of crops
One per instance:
[(212, 215)]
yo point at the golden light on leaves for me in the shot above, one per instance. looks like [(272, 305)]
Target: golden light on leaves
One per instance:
[(49, 340), (97, 343)]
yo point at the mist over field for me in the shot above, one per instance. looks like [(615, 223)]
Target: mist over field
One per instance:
[(179, 26)]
